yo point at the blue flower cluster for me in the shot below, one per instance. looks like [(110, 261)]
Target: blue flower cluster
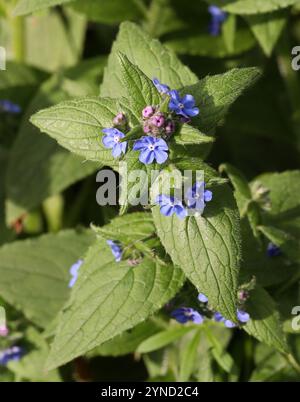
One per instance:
[(74, 270), (11, 354), (186, 314), (9, 107), (217, 18), (157, 126), (196, 198)]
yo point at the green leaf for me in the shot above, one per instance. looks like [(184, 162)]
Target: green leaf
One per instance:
[(55, 42), (35, 273), (163, 339), (219, 353), (242, 191), (108, 11), (110, 298), (32, 366), (39, 166), (24, 7), (127, 342), (141, 92), (265, 324), (256, 263), (128, 228), (214, 95), (189, 354), (283, 210), (19, 82), (77, 126), (149, 55), (189, 135), (252, 6), (207, 248), (267, 28), (229, 32), (205, 45), (288, 244)]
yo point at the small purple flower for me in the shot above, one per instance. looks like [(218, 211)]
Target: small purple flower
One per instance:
[(218, 16), (197, 196), (3, 330), (120, 119), (242, 316), (148, 112), (9, 107), (115, 249), (112, 140), (273, 250), (184, 106), (202, 298), (185, 314), (162, 88), (11, 354), (169, 205), (158, 120), (74, 272), (151, 148)]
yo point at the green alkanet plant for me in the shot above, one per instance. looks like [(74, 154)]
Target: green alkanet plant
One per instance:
[(204, 269)]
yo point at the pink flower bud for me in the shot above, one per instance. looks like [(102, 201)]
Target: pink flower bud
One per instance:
[(120, 119), (148, 112), (158, 120)]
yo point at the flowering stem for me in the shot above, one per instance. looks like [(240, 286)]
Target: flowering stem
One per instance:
[(19, 40)]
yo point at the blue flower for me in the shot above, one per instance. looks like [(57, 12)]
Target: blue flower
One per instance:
[(273, 250), (74, 272), (9, 107), (219, 318), (169, 205), (115, 249), (202, 298), (184, 106), (11, 354), (112, 141), (197, 196), (151, 148), (185, 314), (242, 316), (217, 18), (162, 88)]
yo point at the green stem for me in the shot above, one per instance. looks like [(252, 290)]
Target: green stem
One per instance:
[(19, 40), (292, 361)]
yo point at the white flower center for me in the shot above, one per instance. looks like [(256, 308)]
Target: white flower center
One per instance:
[(151, 147), (116, 139), (181, 106)]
